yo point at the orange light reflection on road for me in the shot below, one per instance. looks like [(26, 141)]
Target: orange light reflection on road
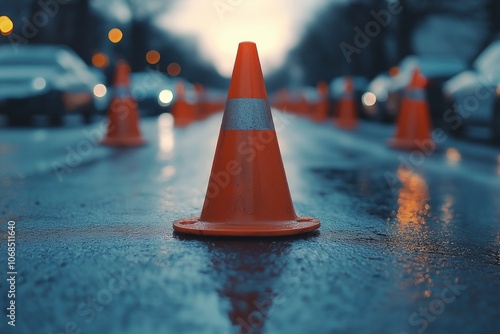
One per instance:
[(412, 200), (411, 234), (453, 156)]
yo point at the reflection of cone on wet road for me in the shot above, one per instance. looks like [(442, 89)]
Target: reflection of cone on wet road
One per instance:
[(123, 115), (184, 113), (347, 113), (251, 292), (248, 192), (413, 126)]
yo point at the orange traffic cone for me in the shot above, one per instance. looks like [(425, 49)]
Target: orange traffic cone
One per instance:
[(281, 100), (320, 113), (123, 115), (413, 124), (347, 114), (201, 105), (247, 192), (184, 113)]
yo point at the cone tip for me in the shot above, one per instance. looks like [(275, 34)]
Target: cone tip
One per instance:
[(122, 73), (247, 80), (418, 80), (248, 43), (349, 84)]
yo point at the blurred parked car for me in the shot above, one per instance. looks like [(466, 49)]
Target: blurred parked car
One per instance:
[(474, 95), (47, 80), (385, 98), (153, 91), (337, 90)]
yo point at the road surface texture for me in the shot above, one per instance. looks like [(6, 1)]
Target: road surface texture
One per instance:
[(408, 243)]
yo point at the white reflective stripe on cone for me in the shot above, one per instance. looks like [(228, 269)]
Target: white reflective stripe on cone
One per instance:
[(247, 114), (415, 94)]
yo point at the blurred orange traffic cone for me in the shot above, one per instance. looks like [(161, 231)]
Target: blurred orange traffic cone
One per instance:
[(248, 192), (201, 111), (281, 100), (347, 114), (320, 113), (413, 125), (123, 114), (303, 106), (184, 113)]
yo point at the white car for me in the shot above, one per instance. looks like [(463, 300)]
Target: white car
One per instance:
[(473, 95), (49, 80)]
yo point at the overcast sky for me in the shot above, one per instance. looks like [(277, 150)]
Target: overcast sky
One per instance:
[(275, 25)]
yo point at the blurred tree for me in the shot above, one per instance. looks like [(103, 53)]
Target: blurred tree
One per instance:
[(84, 28), (331, 45), (83, 25), (494, 13), (344, 25)]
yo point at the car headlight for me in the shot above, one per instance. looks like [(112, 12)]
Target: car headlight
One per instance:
[(369, 99), (100, 90), (39, 83), (165, 97)]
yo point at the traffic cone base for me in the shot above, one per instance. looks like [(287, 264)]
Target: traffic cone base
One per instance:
[(346, 124), (260, 229), (247, 193), (401, 144), (125, 142)]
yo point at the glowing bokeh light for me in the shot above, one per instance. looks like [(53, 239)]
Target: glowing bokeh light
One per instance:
[(394, 71), (100, 60), (453, 156), (39, 83), (153, 57), (100, 90), (165, 97), (6, 25), (115, 35), (369, 99), (174, 69)]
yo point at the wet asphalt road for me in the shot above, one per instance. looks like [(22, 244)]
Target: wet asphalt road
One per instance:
[(408, 244)]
